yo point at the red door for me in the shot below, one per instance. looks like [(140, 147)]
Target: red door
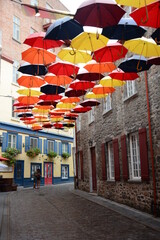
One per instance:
[(93, 162), (48, 173)]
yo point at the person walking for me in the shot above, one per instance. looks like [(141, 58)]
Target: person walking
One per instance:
[(35, 179), (38, 178)]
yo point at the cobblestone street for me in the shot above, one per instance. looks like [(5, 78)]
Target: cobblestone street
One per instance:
[(60, 212)]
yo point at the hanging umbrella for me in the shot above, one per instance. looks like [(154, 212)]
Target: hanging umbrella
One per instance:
[(134, 64), (148, 15), (143, 46), (61, 68), (99, 13), (135, 3), (30, 81), (29, 122), (68, 125), (38, 56), (3, 166), (3, 159), (29, 92), (70, 99), (52, 89), (109, 82), (99, 89), (57, 80), (74, 56), (154, 61), (91, 95), (85, 75), (65, 105), (90, 103), (101, 67), (26, 118), (56, 118), (74, 93), (81, 85), (47, 125), (89, 41), (25, 115), (37, 127), (81, 109), (48, 97), (33, 69), (74, 115), (29, 100), (124, 76), (70, 119), (58, 126), (37, 40), (156, 36), (126, 29), (46, 103), (110, 53), (64, 29)]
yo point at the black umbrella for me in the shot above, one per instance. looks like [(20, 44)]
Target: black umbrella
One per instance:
[(52, 89), (33, 69), (74, 93), (26, 114), (156, 36), (64, 29), (135, 64)]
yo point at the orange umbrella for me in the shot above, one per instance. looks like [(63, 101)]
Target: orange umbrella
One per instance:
[(99, 89), (28, 122), (101, 67), (36, 127), (30, 81), (38, 56), (57, 80), (70, 99), (28, 99)]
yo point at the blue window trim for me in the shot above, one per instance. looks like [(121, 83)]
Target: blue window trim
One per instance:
[(64, 165)]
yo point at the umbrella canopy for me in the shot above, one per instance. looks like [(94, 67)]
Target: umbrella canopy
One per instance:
[(126, 29), (91, 95), (3, 166), (101, 67), (99, 89), (81, 85), (56, 118), (37, 40), (3, 159), (68, 125), (33, 69), (37, 127), (30, 81), (143, 46), (38, 56), (29, 92), (154, 61), (109, 82), (61, 68), (92, 12), (135, 3), (57, 80), (89, 41), (74, 56), (134, 64), (156, 36), (65, 105), (64, 29), (47, 125), (110, 53), (52, 89), (70, 99), (24, 115), (74, 93), (49, 97), (90, 103), (144, 15), (29, 100), (58, 125), (85, 75), (81, 109), (124, 76)]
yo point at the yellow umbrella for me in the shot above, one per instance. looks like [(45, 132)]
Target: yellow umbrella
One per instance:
[(110, 82), (29, 92), (89, 41), (40, 111), (74, 56), (135, 3), (95, 96), (56, 118), (65, 105), (143, 46)]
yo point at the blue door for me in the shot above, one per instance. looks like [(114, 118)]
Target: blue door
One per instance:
[(19, 172)]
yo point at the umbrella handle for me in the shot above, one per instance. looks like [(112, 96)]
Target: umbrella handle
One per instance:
[(121, 53), (142, 20), (74, 52), (157, 40), (138, 67)]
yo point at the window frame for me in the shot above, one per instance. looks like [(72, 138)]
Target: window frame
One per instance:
[(107, 104), (36, 165), (129, 89), (49, 147), (65, 149), (66, 167), (15, 71), (16, 28), (110, 162), (13, 142), (32, 139), (91, 116)]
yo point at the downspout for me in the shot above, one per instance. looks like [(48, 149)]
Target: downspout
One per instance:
[(151, 147), (76, 160)]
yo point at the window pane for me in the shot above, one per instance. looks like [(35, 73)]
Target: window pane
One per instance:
[(107, 104), (12, 141), (34, 142), (50, 146), (16, 28), (135, 159), (111, 173), (65, 147)]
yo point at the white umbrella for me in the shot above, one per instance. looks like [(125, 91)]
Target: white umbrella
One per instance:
[(3, 166)]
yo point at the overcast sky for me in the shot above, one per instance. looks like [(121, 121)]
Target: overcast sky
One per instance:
[(72, 5)]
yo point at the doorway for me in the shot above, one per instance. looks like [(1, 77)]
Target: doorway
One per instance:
[(48, 169), (19, 172), (93, 166)]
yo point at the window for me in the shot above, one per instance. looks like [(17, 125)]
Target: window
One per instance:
[(15, 71), (16, 28), (34, 167), (129, 89), (106, 104), (34, 2), (12, 139), (33, 142), (78, 123), (14, 114), (135, 166), (65, 171), (91, 116), (65, 147), (50, 146), (79, 165), (110, 163)]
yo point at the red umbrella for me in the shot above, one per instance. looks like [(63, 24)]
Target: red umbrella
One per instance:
[(99, 13), (62, 68), (124, 76), (58, 125), (154, 61), (3, 159), (37, 40), (110, 53), (81, 85), (47, 97), (28, 100), (90, 103), (148, 15), (81, 109), (74, 93)]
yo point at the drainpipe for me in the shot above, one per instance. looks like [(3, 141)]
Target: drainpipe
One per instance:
[(151, 147)]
